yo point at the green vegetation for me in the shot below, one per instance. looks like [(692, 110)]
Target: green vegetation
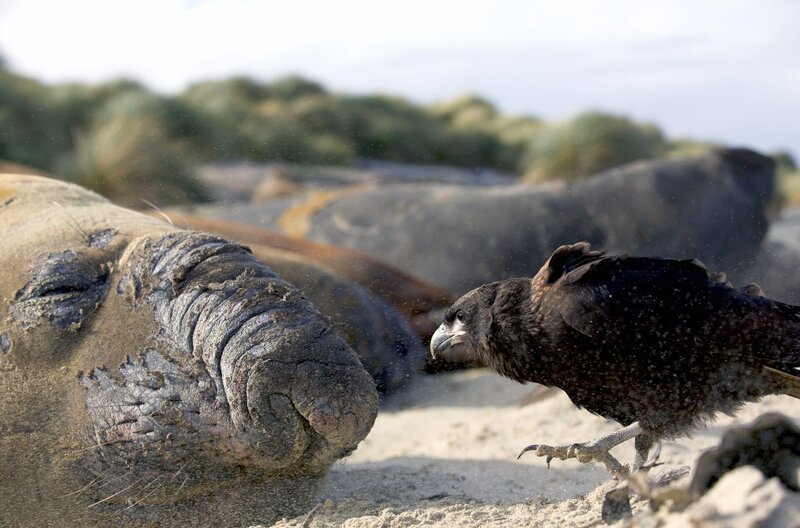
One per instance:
[(129, 143), (788, 179), (592, 142), (31, 130), (138, 147)]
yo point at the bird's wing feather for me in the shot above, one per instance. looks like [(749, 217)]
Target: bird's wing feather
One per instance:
[(575, 259), (670, 307), (614, 295)]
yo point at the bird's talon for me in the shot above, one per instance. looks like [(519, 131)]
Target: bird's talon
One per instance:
[(531, 447), (583, 453)]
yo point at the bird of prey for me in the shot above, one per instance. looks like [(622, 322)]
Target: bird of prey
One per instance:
[(659, 345)]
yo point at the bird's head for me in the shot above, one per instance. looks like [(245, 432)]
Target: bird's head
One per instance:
[(465, 332), (493, 325), (466, 325)]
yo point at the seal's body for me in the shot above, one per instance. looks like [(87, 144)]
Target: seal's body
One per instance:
[(150, 374)]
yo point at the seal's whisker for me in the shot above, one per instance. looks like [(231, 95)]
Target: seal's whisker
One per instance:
[(113, 405), (102, 444), (89, 485), (152, 482), (109, 480), (100, 480), (181, 486), (149, 494), (179, 471), (157, 209), (129, 486), (73, 224)]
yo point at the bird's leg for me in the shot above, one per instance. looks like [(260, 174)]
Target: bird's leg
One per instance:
[(597, 449), (643, 443)]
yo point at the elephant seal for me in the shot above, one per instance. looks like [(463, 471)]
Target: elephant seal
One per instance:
[(711, 206), (151, 375)]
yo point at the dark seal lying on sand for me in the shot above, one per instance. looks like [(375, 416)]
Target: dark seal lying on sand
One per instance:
[(459, 237), (151, 375)]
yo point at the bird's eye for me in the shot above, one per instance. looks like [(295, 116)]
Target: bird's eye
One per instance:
[(461, 316)]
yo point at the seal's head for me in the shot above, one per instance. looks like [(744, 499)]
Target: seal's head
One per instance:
[(152, 370)]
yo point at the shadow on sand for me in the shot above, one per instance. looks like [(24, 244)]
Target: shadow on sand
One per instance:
[(409, 481)]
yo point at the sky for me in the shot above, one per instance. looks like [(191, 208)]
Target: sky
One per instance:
[(720, 70)]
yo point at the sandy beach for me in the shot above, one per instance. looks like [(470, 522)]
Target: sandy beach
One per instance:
[(443, 453)]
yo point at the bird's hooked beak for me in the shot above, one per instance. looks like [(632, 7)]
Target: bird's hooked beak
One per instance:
[(445, 338)]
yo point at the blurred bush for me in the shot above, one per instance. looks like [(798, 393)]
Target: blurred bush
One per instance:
[(788, 180), (685, 148), (129, 143), (31, 131), (512, 135), (292, 87), (74, 105), (254, 121), (138, 147), (589, 143)]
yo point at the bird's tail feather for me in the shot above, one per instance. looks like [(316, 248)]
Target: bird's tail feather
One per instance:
[(791, 380)]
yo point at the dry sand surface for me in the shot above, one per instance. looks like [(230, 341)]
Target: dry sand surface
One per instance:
[(443, 453)]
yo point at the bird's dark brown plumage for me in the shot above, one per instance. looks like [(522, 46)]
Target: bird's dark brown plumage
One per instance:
[(659, 342)]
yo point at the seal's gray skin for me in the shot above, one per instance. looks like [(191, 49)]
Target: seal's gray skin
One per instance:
[(712, 206), (385, 342), (155, 376)]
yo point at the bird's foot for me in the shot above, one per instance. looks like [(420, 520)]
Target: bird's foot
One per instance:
[(583, 452), (597, 449)]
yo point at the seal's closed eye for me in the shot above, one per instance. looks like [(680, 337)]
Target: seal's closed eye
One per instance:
[(63, 289), (66, 285)]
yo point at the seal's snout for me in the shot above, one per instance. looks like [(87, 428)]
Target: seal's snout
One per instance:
[(302, 401), (293, 391)]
